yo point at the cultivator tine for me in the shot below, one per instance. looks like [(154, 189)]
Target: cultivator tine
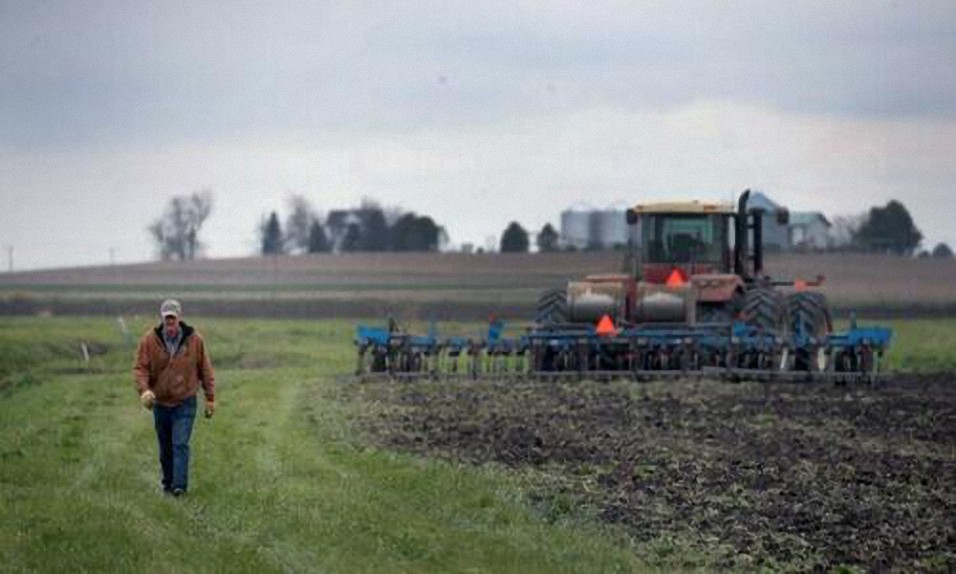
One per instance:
[(449, 363), (520, 366), (360, 368)]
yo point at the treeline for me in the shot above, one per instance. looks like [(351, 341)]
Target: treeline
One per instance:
[(369, 227), (887, 229), (372, 228), (366, 228), (516, 239)]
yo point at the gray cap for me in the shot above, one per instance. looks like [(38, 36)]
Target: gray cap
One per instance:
[(170, 307)]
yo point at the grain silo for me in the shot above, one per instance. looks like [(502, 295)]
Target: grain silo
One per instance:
[(575, 228), (611, 227)]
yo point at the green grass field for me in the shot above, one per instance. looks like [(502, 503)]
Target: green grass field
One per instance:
[(923, 345), (280, 478)]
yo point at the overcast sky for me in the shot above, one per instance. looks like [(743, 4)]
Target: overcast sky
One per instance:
[(474, 113)]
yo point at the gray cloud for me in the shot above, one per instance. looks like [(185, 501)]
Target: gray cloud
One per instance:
[(112, 72)]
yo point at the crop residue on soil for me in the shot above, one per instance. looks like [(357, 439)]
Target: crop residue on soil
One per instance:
[(714, 474)]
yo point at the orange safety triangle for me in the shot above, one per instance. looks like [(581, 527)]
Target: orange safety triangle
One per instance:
[(605, 326), (675, 279)]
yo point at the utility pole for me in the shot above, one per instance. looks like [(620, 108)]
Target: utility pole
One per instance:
[(112, 256), (10, 258)]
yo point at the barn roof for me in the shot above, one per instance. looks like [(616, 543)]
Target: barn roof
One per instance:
[(808, 218)]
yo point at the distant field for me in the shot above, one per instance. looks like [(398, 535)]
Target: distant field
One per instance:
[(446, 285)]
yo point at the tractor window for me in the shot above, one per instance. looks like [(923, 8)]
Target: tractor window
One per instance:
[(678, 238)]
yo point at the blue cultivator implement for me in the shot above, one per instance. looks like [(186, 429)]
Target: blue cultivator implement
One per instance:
[(691, 302), (641, 352)]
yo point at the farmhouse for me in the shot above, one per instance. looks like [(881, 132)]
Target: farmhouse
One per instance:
[(809, 230), (776, 236)]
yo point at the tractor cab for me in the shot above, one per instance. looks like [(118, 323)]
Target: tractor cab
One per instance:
[(699, 238), (693, 237)]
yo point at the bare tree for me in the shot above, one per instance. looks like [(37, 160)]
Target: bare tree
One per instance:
[(844, 229), (177, 232), (298, 224)]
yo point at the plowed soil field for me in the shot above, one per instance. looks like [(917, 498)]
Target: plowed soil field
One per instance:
[(720, 475)]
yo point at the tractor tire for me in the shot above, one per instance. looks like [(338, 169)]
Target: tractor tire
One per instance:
[(552, 307), (766, 309), (809, 316)]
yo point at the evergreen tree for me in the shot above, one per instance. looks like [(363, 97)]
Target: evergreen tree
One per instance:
[(547, 239), (514, 239), (318, 240), (272, 236)]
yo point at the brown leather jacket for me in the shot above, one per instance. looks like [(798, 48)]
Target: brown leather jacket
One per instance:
[(173, 379)]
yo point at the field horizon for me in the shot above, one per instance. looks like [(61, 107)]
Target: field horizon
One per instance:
[(445, 286)]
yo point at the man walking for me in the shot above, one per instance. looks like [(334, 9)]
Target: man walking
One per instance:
[(171, 363)]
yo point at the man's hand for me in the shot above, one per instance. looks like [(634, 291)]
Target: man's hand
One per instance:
[(210, 408), (147, 399)]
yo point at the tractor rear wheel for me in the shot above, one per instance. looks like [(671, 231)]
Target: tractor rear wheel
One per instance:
[(766, 309), (810, 317), (552, 307)]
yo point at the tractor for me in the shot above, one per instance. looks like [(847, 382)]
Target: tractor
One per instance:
[(695, 263)]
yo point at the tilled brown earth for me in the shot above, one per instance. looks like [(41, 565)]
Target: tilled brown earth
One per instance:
[(743, 476)]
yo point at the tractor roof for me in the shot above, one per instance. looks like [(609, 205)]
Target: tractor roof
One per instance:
[(686, 207)]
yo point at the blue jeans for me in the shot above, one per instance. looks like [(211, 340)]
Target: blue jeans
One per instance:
[(174, 425)]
